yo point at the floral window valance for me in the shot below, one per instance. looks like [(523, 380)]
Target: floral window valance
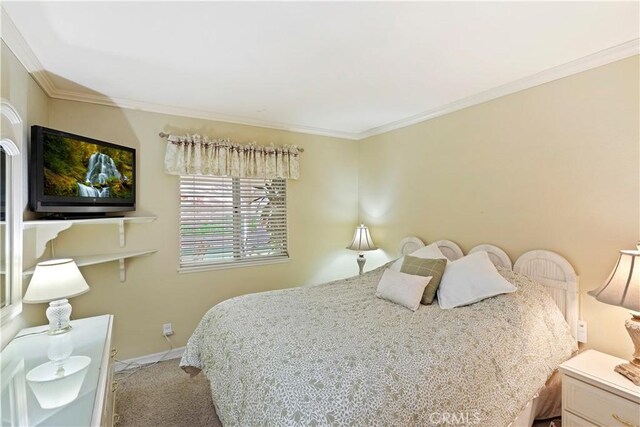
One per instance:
[(200, 155)]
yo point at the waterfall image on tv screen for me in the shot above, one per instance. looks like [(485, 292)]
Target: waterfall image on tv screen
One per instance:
[(74, 168)]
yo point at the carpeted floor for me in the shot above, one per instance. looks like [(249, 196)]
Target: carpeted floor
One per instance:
[(163, 395)]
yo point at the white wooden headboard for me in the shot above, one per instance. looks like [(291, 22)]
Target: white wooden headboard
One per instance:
[(548, 268)]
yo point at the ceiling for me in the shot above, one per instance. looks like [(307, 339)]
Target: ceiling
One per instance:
[(348, 69)]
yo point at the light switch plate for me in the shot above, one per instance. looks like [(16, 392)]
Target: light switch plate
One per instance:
[(582, 331)]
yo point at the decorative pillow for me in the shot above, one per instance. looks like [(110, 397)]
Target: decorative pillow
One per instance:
[(425, 267), (401, 288), (471, 279), (431, 251)]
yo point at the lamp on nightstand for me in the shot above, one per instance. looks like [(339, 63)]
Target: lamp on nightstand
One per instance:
[(54, 281), (362, 242), (622, 288)]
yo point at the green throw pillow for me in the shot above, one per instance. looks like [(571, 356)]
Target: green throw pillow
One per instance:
[(425, 267)]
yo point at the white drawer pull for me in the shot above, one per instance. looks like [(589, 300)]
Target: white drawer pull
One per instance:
[(626, 423)]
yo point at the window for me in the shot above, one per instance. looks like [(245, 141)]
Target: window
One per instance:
[(231, 221)]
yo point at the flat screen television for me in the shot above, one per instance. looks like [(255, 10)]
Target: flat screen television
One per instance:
[(79, 176)]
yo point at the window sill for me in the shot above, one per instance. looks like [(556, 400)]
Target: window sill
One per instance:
[(225, 266)]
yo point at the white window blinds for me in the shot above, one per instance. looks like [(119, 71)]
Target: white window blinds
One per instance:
[(226, 221)]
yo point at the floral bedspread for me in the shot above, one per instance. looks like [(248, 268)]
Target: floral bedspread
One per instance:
[(334, 354)]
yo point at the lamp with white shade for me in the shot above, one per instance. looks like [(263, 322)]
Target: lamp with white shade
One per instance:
[(622, 289), (362, 242), (54, 281)]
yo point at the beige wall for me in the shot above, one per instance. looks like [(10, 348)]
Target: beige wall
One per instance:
[(19, 88), (322, 208), (553, 167)]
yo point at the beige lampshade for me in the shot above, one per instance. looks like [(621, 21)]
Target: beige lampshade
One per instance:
[(55, 279), (622, 288), (362, 240)]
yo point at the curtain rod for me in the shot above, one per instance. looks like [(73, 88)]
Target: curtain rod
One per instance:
[(165, 135)]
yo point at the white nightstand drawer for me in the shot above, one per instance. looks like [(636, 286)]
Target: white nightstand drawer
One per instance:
[(596, 405), (570, 420)]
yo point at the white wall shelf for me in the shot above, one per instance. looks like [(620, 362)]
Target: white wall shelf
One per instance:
[(83, 261), (47, 230)]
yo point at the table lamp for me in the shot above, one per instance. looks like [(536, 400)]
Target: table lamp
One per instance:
[(54, 281), (622, 288), (362, 242)]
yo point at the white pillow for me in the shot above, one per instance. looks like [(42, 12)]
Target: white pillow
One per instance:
[(471, 279), (402, 288), (431, 251)]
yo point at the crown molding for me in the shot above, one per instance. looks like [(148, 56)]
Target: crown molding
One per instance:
[(25, 55), (197, 114), (17, 44), (579, 65)]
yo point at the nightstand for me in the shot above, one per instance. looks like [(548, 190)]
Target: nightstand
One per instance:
[(593, 394), (80, 393)]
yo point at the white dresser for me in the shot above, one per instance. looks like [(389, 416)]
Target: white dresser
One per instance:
[(593, 394), (80, 392)]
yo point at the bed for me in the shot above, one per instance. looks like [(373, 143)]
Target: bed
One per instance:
[(333, 354)]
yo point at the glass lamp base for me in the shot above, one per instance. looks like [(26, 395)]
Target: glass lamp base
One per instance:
[(59, 314)]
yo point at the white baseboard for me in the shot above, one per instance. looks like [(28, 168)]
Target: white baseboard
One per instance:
[(176, 353)]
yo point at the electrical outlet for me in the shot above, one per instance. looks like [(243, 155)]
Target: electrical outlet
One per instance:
[(582, 331), (167, 329)]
